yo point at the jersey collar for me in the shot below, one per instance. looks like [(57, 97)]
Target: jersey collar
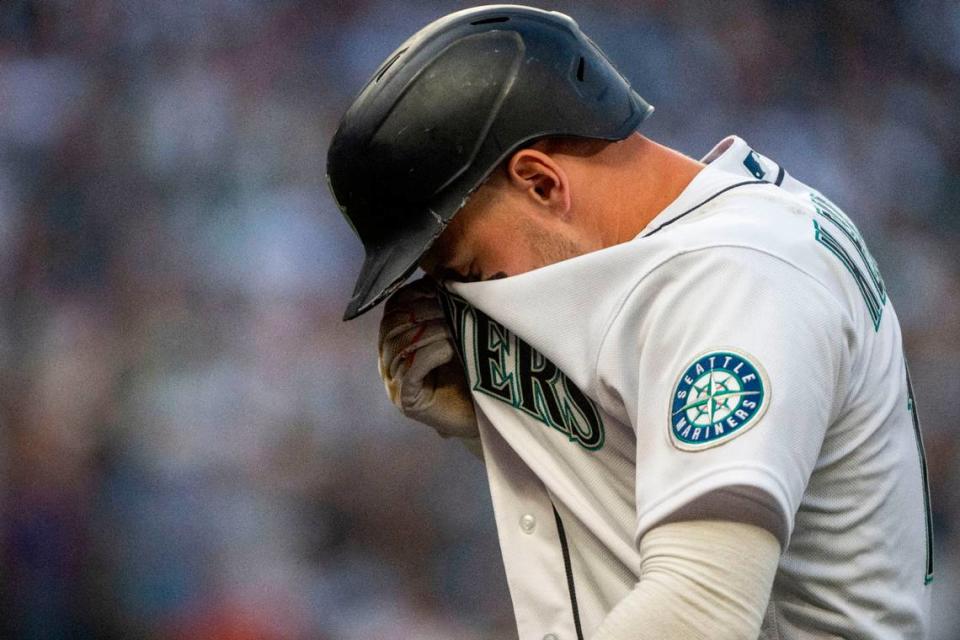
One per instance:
[(731, 163)]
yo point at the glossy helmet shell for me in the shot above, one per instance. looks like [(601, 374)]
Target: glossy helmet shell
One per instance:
[(448, 107)]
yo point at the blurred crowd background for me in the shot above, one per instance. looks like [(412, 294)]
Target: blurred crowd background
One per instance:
[(193, 446)]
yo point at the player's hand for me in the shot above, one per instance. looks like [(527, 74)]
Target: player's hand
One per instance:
[(419, 365)]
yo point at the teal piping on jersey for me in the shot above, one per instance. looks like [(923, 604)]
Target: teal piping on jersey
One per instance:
[(695, 207)]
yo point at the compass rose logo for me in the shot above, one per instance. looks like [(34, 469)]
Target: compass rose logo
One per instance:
[(719, 395)]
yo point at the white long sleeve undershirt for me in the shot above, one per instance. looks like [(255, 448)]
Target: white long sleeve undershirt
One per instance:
[(700, 580)]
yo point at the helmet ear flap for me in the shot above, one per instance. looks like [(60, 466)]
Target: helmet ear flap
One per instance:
[(442, 112)]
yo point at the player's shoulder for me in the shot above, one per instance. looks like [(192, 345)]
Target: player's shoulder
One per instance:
[(737, 247), (740, 200), (756, 217), (742, 227)]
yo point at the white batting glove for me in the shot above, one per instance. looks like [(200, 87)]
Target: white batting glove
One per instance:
[(419, 365)]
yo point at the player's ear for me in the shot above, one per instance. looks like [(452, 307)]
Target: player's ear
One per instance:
[(542, 179)]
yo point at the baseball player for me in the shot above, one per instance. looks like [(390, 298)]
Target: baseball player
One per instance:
[(685, 379)]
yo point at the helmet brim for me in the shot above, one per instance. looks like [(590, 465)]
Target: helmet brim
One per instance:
[(387, 266)]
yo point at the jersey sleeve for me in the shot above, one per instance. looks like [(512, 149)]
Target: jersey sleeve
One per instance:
[(731, 363)]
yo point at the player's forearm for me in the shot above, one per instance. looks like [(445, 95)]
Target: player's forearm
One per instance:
[(699, 580)]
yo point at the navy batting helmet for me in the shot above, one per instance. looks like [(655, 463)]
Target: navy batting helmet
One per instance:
[(445, 109)]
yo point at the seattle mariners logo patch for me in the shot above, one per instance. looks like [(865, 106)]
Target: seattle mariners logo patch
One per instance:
[(720, 395)]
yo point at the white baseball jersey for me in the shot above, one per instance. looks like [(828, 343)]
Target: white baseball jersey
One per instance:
[(738, 360)]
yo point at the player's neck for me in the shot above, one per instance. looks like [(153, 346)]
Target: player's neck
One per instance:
[(645, 178)]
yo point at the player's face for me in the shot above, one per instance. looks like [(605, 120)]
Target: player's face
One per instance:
[(498, 238)]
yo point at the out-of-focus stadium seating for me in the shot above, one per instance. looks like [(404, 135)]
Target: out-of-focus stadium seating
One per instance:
[(192, 445)]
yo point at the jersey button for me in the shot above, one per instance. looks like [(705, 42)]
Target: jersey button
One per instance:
[(527, 524), (551, 636)]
